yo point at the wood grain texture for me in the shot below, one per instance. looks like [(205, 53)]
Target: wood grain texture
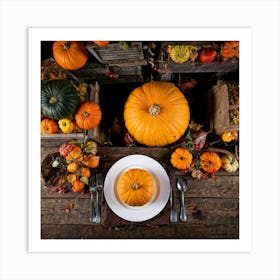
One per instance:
[(212, 206)]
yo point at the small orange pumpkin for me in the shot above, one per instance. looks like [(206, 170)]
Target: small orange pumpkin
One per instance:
[(70, 55), (76, 155), (88, 115), (84, 171), (101, 43), (78, 186), (136, 187), (91, 161), (72, 167), (49, 126), (181, 159), (230, 49), (210, 162)]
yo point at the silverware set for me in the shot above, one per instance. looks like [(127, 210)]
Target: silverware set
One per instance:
[(95, 187), (182, 187)]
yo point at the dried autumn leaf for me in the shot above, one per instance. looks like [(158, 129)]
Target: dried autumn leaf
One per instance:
[(199, 139), (70, 205)]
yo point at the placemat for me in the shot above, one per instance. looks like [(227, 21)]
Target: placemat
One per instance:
[(110, 219)]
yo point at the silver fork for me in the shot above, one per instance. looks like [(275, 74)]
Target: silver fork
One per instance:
[(99, 187), (92, 189)]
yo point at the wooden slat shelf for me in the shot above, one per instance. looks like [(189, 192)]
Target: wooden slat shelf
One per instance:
[(198, 67)]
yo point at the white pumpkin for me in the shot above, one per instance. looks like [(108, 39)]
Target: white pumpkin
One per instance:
[(229, 163)]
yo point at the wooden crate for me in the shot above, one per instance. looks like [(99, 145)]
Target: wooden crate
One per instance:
[(166, 67), (219, 109), (116, 55), (96, 133)]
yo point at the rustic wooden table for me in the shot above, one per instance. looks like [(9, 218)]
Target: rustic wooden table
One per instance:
[(212, 206)]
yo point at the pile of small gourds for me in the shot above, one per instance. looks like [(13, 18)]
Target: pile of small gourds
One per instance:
[(81, 158), (63, 103), (207, 161), (63, 109), (180, 53)]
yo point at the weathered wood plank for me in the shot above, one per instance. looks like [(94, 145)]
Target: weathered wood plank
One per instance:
[(180, 231), (198, 67), (199, 211), (220, 187)]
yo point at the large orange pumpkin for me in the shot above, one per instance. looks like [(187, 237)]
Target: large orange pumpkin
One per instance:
[(70, 55), (210, 162), (136, 187), (156, 113), (88, 115)]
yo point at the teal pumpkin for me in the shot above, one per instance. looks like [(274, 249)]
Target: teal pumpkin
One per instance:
[(59, 99)]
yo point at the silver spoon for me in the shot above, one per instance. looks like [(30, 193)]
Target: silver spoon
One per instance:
[(182, 187)]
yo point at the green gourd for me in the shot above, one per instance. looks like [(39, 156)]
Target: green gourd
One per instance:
[(59, 99)]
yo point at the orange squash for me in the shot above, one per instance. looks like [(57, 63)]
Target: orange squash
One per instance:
[(156, 113), (230, 50), (84, 171), (210, 162), (181, 159), (76, 155), (70, 55), (72, 167), (88, 115), (101, 43), (136, 187), (49, 126), (78, 186), (91, 161)]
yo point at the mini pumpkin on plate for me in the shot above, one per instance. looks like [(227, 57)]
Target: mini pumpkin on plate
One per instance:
[(136, 187)]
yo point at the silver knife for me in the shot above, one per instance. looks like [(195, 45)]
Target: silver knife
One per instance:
[(173, 212)]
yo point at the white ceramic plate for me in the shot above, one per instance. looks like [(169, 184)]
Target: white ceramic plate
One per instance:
[(152, 208)]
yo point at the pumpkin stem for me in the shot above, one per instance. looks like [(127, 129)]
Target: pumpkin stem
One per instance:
[(135, 186), (86, 114), (66, 46), (154, 110), (53, 100)]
